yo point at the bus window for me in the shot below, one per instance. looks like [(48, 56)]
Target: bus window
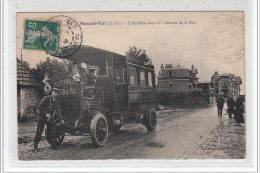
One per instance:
[(132, 74), (142, 79), (92, 72), (150, 82), (119, 75)]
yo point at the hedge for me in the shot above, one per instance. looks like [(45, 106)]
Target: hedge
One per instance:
[(182, 99)]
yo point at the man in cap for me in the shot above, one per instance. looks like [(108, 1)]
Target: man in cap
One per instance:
[(48, 108)]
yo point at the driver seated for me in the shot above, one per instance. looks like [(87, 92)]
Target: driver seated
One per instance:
[(89, 78)]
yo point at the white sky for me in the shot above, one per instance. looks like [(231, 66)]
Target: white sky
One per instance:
[(164, 44)]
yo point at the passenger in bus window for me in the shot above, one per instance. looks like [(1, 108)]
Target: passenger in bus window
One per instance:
[(76, 76), (90, 77), (118, 75)]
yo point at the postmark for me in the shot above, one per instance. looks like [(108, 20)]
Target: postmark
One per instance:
[(33, 35), (223, 38), (70, 37)]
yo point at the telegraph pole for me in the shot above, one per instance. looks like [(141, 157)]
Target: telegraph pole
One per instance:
[(21, 55)]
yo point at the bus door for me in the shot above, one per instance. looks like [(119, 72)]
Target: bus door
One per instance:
[(121, 92)]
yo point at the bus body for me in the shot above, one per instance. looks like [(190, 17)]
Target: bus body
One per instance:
[(103, 90)]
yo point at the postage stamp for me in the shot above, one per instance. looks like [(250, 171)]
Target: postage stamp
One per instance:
[(70, 37), (223, 37), (60, 36), (37, 32)]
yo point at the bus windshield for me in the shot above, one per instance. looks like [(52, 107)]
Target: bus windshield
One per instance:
[(93, 66)]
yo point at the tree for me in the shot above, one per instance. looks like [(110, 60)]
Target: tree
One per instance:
[(51, 66), (138, 54)]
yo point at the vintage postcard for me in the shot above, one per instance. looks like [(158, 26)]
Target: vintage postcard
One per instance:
[(131, 85)]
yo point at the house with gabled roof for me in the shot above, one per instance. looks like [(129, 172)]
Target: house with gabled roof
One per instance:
[(177, 78), (27, 93), (226, 84)]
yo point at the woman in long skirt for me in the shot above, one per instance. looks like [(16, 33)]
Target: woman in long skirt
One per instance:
[(238, 113)]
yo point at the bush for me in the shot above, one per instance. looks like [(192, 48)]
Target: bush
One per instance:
[(51, 66), (182, 99)]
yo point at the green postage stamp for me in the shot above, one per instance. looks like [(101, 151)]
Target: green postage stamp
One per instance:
[(41, 35)]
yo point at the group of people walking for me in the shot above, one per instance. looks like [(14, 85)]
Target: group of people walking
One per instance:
[(234, 107)]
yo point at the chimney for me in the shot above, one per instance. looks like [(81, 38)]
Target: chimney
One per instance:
[(192, 66), (162, 67)]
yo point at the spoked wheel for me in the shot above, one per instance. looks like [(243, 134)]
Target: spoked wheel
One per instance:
[(150, 119), (99, 129)]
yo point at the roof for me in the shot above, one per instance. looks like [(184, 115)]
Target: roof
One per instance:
[(24, 75), (204, 82), (224, 76), (181, 72), (85, 52), (216, 74), (238, 80), (177, 73), (178, 67)]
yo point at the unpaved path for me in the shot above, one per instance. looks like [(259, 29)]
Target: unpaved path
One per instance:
[(193, 134)]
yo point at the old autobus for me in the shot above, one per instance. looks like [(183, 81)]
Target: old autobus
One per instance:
[(104, 90)]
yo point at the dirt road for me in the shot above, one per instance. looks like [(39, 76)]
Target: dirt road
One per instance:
[(193, 134)]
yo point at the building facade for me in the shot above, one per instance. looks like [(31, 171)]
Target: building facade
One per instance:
[(177, 78), (226, 84), (204, 86), (27, 94)]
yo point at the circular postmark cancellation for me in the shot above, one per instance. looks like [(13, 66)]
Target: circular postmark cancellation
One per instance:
[(61, 36), (223, 38)]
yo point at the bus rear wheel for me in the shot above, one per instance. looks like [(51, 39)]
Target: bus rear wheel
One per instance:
[(99, 129), (150, 121)]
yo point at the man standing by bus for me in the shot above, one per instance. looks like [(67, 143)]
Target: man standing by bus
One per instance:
[(48, 106)]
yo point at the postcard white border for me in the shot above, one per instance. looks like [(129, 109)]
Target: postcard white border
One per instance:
[(8, 92)]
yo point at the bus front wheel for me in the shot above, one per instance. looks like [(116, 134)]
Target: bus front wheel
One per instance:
[(99, 129)]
